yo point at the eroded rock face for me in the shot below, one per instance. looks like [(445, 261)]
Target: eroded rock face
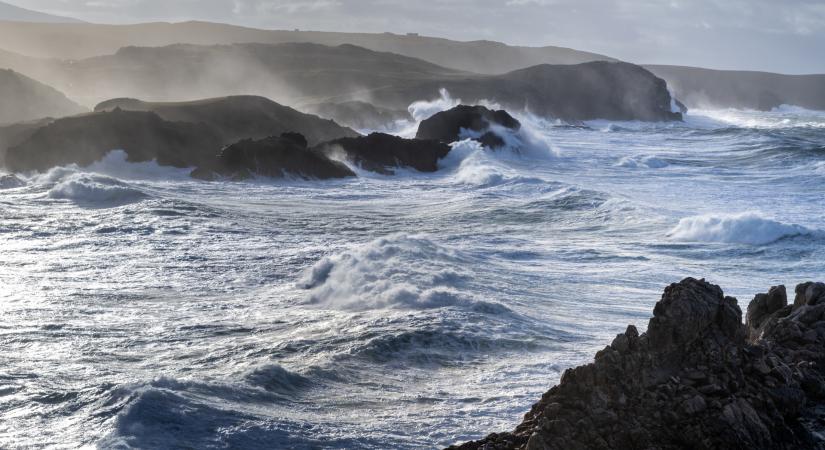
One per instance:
[(698, 378), (383, 153), (455, 124), (277, 157)]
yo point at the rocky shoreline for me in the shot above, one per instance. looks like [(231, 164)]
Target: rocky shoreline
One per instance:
[(228, 138), (698, 378)]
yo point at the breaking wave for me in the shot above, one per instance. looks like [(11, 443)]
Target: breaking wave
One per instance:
[(745, 228), (396, 272), (96, 189), (424, 109), (275, 378), (650, 162)]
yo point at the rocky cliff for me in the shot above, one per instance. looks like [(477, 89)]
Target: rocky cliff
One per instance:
[(698, 378)]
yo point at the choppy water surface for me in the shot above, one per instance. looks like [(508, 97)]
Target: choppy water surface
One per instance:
[(139, 308)]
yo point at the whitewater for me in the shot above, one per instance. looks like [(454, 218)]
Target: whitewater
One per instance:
[(142, 309)]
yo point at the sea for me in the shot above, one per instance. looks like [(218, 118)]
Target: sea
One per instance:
[(142, 309)]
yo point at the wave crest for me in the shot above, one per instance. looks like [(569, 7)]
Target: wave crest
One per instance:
[(96, 189), (745, 228), (395, 272)]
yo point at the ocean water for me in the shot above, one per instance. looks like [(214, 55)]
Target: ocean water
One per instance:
[(142, 309)]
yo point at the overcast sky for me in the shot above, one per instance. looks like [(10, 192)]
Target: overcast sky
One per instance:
[(777, 35)]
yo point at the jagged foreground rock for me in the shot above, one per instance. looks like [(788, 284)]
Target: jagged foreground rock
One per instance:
[(698, 378)]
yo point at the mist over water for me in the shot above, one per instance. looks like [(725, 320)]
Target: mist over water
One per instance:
[(141, 308)]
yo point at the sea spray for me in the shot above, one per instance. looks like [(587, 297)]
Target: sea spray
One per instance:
[(424, 109)]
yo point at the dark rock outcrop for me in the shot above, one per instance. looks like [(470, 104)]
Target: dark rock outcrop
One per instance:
[(698, 378), (187, 134), (239, 117), (448, 126), (596, 90), (277, 157), (383, 153), (87, 138), (360, 115)]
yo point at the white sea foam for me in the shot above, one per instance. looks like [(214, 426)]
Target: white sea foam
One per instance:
[(785, 116), (650, 162), (744, 228), (396, 272), (91, 188), (475, 166), (115, 164), (424, 109)]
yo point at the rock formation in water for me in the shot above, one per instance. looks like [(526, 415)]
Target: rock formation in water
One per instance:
[(24, 99), (698, 378), (360, 115), (186, 134), (468, 121), (87, 138), (200, 143), (383, 153), (239, 117), (276, 157)]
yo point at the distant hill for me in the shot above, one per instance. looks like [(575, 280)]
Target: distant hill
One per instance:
[(706, 88), (78, 41), (13, 13), (25, 99), (293, 74), (309, 74), (82, 41)]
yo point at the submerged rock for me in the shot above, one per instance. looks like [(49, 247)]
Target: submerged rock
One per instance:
[(383, 153), (463, 120), (694, 380), (281, 156)]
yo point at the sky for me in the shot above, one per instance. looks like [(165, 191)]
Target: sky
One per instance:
[(786, 36)]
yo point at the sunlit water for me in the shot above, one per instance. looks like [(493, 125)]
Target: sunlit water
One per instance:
[(139, 308)]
